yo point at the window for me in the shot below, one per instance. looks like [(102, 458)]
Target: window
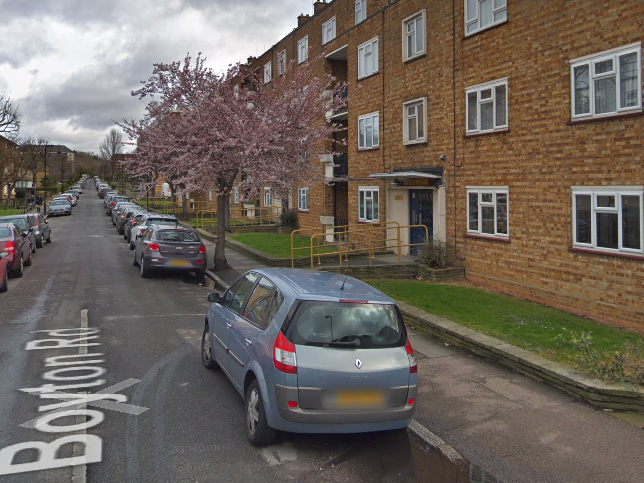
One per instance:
[(268, 197), (368, 58), (608, 83), (361, 11), (415, 121), (487, 212), (487, 107), (413, 31), (608, 219), (268, 72), (236, 295), (259, 303), (328, 31), (303, 199), (368, 137), (236, 195), (210, 195), (302, 49), (368, 204), (281, 62), (481, 14)]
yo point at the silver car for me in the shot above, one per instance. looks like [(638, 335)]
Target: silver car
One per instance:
[(59, 207), (311, 352)]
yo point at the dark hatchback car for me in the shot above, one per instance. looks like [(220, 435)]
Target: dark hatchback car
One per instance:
[(164, 248), (41, 229), (26, 224), (16, 244)]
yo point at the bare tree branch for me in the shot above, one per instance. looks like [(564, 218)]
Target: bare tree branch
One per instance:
[(10, 116)]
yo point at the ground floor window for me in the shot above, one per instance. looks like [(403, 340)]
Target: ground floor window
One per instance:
[(303, 199), (268, 197), (487, 211), (608, 218), (236, 195), (368, 209)]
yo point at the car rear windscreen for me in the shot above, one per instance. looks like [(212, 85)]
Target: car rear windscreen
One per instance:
[(161, 221), (5, 232), (179, 236), (21, 222), (347, 324)]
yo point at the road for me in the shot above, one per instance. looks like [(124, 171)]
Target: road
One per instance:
[(168, 418)]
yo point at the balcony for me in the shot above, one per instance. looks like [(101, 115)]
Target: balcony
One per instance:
[(341, 165), (342, 114)]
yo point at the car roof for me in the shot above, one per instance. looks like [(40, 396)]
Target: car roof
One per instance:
[(318, 285), (6, 217), (162, 216)]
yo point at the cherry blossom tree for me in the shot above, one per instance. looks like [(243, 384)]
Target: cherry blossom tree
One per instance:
[(204, 129)]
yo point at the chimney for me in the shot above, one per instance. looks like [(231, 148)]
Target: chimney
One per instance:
[(302, 19), (317, 6), (251, 59)]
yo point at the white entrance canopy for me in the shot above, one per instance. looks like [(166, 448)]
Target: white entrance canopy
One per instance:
[(405, 175)]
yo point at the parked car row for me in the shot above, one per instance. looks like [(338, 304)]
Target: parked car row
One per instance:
[(20, 236), (158, 241), (64, 203)]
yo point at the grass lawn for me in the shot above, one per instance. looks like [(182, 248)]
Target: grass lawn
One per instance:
[(277, 244), (524, 324), (10, 211)]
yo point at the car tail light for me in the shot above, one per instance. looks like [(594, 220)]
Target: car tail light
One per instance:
[(10, 248), (413, 368), (292, 404), (284, 355), (123, 217), (347, 301), (411, 401), (153, 247), (202, 249), (112, 203)]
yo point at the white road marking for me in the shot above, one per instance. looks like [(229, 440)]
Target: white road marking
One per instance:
[(79, 472)]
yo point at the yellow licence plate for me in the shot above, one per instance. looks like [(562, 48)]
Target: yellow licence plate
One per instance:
[(359, 399), (179, 263)]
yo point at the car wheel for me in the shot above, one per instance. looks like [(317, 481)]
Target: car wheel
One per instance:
[(134, 262), (145, 273), (207, 356), (200, 276), (40, 243), (5, 286), (28, 261), (33, 248), (20, 271), (257, 430), (131, 245), (49, 239)]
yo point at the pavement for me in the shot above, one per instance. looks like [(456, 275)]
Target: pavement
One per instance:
[(500, 420)]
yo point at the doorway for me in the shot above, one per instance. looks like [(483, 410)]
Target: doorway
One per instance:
[(420, 213)]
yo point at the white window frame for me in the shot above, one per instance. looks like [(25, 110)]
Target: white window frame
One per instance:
[(268, 196), (407, 136), (303, 199), (361, 11), (409, 21), (364, 122), (483, 194), (268, 71), (210, 195), (236, 195), (368, 58), (281, 62), (590, 62), (618, 192), (472, 15), (367, 193), (303, 49), (328, 31), (479, 90)]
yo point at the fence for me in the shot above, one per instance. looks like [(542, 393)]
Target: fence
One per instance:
[(242, 216)]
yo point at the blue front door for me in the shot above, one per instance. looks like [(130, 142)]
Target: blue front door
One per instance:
[(420, 213)]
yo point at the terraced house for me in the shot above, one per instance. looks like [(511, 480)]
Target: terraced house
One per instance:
[(512, 129)]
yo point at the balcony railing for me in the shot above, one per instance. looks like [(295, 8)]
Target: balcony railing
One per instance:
[(341, 165)]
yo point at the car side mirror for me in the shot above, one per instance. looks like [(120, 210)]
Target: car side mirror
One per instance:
[(25, 234), (214, 298)]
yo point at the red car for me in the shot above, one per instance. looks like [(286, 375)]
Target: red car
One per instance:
[(17, 246), (4, 271)]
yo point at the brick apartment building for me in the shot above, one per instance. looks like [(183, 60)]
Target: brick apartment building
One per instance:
[(512, 129)]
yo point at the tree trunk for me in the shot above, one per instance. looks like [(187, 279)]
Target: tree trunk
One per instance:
[(220, 245), (228, 228)]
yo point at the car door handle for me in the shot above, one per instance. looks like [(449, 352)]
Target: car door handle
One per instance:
[(248, 341), (229, 325)]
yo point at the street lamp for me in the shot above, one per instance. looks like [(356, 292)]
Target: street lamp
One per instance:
[(45, 183)]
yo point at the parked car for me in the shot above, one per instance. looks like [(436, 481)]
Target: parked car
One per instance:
[(26, 224), (113, 203), (124, 215), (108, 197), (15, 243), (59, 207), (136, 217), (311, 352), (130, 215), (164, 248), (151, 219), (4, 270), (72, 198), (41, 229), (117, 210), (66, 197)]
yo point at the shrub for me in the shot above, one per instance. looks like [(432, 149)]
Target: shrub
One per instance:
[(288, 218), (434, 254)]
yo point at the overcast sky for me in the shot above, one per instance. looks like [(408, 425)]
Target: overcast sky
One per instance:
[(71, 64)]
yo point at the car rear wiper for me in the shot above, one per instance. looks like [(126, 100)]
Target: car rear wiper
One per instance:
[(341, 343)]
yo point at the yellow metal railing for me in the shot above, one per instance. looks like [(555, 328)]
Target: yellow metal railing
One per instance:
[(365, 238), (239, 216)]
